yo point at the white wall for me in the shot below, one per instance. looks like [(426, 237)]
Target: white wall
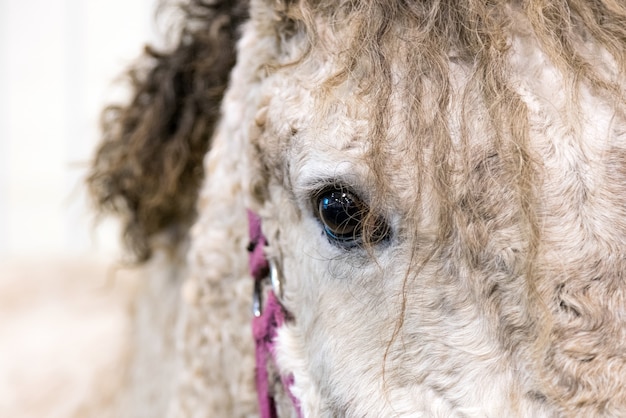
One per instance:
[(58, 59)]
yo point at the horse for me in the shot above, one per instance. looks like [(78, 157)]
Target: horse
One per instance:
[(429, 196)]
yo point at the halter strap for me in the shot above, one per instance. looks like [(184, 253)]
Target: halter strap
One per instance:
[(267, 319)]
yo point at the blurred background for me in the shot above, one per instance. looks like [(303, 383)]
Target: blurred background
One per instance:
[(63, 299)]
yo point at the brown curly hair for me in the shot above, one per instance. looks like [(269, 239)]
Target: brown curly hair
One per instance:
[(148, 168)]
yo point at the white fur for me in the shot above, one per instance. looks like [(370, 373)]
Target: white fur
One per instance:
[(345, 349)]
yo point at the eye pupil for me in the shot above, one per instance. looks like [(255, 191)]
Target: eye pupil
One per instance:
[(341, 215), (346, 220)]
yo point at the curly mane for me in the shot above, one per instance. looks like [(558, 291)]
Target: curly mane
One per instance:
[(149, 165), (487, 137)]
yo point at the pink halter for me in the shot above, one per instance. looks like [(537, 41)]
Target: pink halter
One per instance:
[(265, 324)]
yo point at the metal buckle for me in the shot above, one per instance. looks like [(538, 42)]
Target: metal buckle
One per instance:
[(276, 281), (276, 285), (257, 298)]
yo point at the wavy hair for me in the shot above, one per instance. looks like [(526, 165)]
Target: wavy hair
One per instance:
[(148, 168)]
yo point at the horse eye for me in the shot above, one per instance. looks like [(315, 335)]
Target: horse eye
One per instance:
[(343, 216)]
